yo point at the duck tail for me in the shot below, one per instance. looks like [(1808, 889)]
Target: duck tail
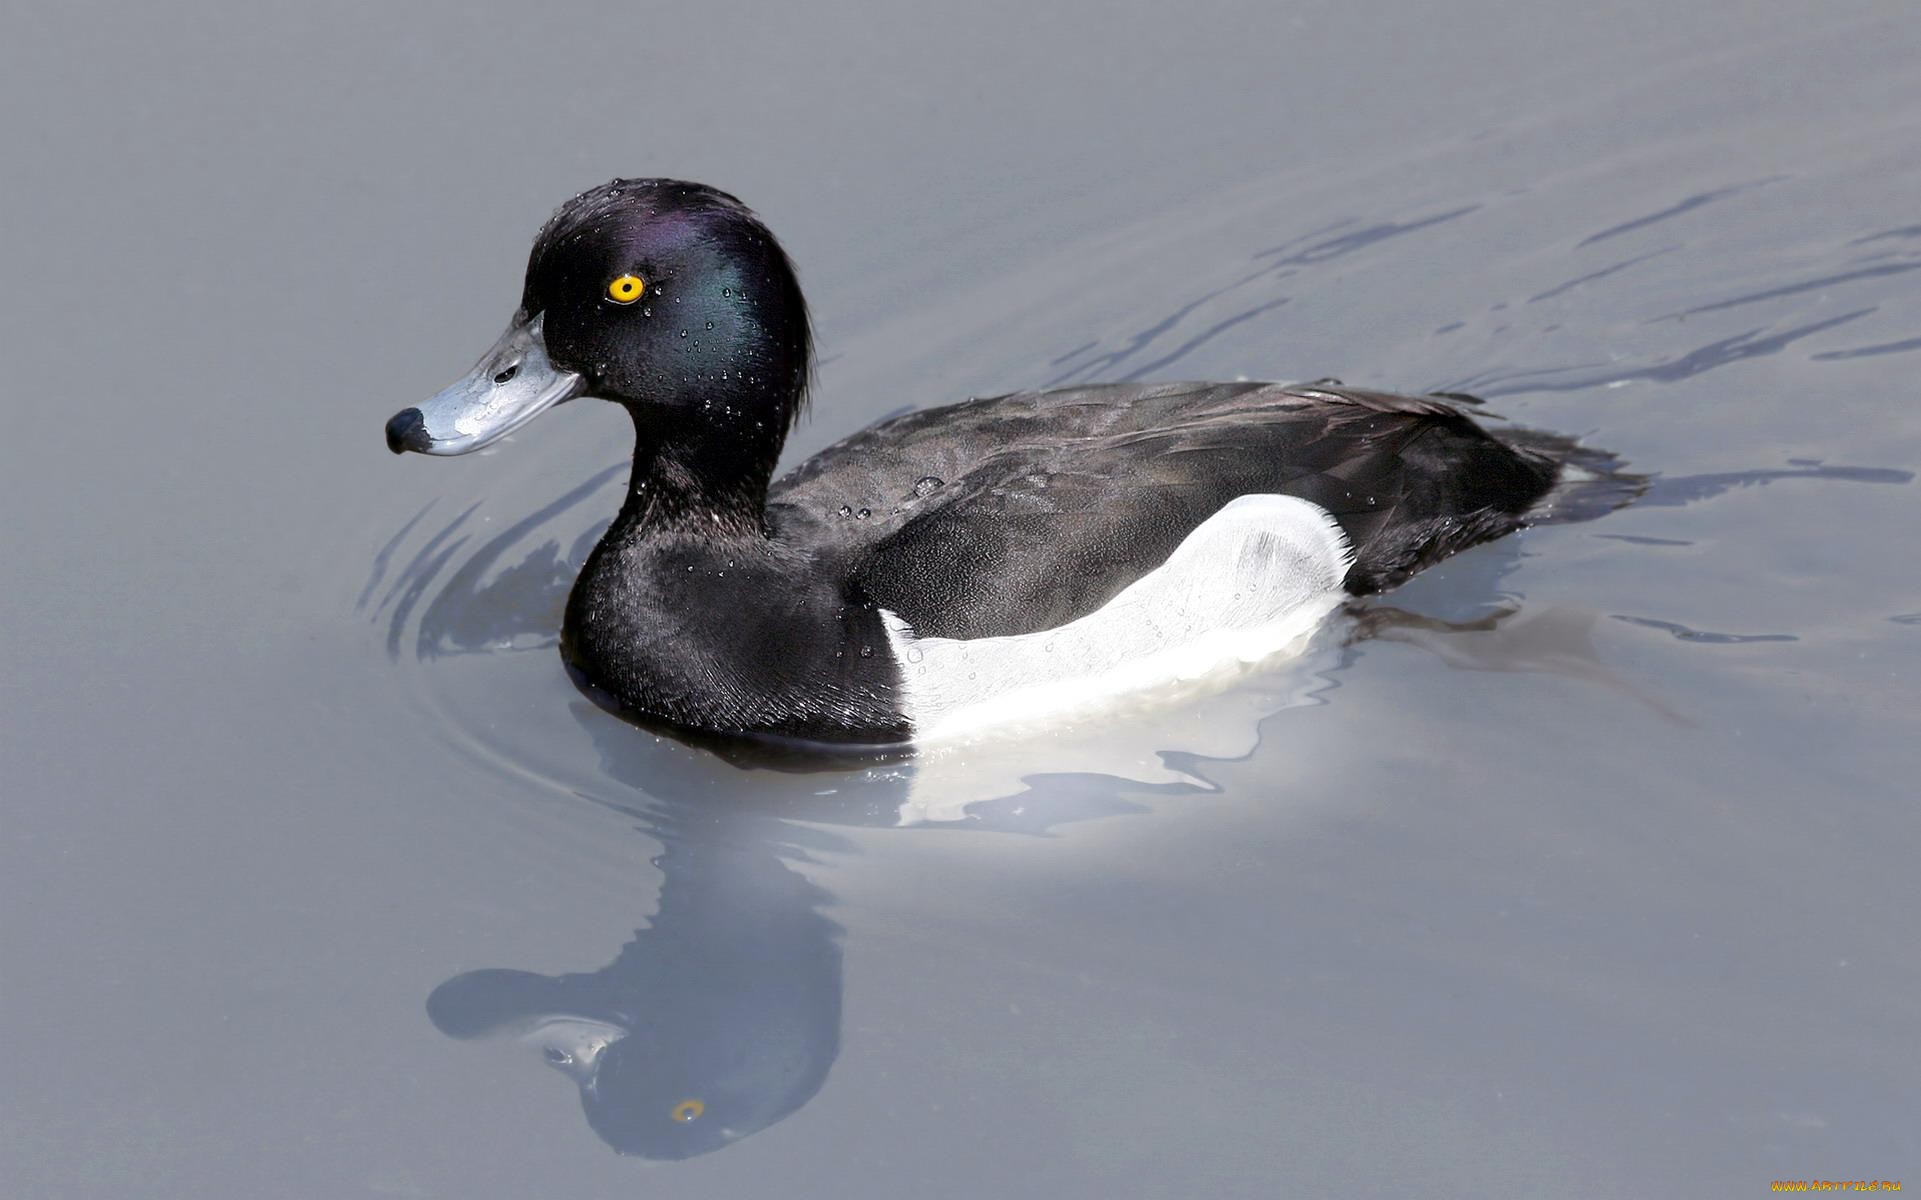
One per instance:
[(1588, 482)]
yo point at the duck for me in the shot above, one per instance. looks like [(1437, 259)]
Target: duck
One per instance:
[(956, 570)]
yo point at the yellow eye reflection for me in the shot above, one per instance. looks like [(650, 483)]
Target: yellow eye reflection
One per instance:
[(626, 290), (688, 1110)]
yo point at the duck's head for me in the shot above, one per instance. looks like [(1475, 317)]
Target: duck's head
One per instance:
[(668, 297)]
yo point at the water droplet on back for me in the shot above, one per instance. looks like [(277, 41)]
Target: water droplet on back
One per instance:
[(927, 485)]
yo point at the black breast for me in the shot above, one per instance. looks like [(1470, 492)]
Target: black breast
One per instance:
[(742, 636)]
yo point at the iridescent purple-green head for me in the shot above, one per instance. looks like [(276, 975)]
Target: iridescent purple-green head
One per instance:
[(670, 298)]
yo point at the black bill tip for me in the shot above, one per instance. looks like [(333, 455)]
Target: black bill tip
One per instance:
[(408, 431)]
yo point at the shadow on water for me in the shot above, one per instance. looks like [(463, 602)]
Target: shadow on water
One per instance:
[(721, 1016)]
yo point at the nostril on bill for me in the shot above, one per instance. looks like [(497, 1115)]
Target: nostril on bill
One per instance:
[(509, 372)]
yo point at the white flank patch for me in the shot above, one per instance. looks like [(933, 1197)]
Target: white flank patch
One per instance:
[(1251, 581)]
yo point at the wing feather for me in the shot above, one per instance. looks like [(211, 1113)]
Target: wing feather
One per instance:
[(1050, 503)]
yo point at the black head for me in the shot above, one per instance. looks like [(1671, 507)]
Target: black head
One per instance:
[(668, 297), (666, 294)]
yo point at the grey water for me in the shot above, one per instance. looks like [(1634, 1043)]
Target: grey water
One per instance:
[(1583, 865)]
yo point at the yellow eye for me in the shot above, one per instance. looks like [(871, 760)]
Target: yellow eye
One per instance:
[(688, 1110), (626, 290)]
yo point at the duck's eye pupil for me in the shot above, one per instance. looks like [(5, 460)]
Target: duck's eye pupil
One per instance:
[(688, 1110), (626, 289), (507, 374)]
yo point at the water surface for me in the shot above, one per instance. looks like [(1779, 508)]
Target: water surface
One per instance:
[(1582, 864)]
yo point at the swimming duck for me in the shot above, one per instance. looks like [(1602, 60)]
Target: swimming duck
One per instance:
[(955, 568)]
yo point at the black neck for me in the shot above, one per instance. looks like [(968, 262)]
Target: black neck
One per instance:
[(696, 476)]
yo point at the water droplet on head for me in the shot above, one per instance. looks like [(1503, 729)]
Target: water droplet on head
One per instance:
[(926, 485), (863, 514), (914, 655), (867, 652), (710, 324), (846, 510)]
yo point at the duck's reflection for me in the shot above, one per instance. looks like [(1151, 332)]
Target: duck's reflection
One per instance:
[(722, 1015), (718, 1019)]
